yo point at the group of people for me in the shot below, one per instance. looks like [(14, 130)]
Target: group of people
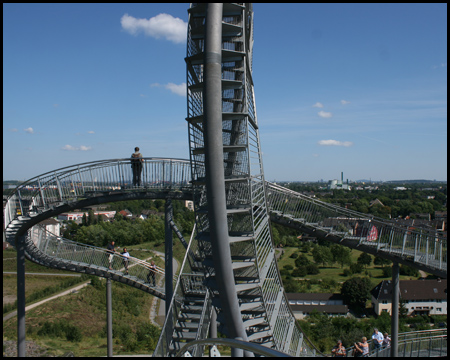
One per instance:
[(361, 349), (111, 249)]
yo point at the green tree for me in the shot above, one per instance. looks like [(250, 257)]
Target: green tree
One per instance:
[(322, 254), (341, 254), (380, 261), (356, 291), (364, 259), (302, 260)]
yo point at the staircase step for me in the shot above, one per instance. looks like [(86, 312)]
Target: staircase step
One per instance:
[(184, 335), (255, 321), (259, 335), (185, 308), (250, 306)]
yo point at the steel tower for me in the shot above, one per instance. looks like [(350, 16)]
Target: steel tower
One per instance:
[(233, 227)]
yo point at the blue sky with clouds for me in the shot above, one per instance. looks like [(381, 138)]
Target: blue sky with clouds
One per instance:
[(358, 88)]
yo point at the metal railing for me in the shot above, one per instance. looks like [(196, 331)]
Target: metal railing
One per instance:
[(423, 246), (425, 343), (76, 182), (50, 249)]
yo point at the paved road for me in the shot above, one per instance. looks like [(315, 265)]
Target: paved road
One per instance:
[(65, 292)]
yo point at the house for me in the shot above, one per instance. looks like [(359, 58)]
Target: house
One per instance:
[(77, 216), (422, 297), (126, 213), (303, 304)]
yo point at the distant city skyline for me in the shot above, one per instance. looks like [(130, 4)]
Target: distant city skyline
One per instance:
[(358, 88)]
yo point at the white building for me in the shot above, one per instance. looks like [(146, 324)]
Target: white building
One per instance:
[(423, 297)]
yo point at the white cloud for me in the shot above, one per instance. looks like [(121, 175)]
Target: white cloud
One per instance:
[(13, 130), (159, 26), (318, 105), (29, 130), (345, 102), (74, 148), (91, 132), (334, 143), (325, 114), (176, 89)]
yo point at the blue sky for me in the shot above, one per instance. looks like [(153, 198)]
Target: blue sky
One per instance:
[(357, 88)]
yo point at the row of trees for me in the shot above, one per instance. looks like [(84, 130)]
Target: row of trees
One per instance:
[(124, 231), (396, 203)]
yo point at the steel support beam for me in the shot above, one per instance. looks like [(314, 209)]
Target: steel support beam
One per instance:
[(214, 171), (20, 248), (109, 340), (395, 312), (168, 252)]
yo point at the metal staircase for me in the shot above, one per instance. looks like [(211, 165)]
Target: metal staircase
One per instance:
[(263, 307)]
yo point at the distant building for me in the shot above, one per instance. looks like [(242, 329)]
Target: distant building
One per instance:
[(78, 215), (303, 304), (423, 297), (339, 184)]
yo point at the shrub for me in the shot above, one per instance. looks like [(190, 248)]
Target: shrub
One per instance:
[(356, 268), (294, 256), (387, 271), (288, 267), (312, 269), (300, 271), (73, 333)]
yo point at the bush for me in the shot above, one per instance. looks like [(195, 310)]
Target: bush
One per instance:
[(288, 267), (73, 333), (299, 272), (387, 271), (347, 272), (284, 272), (312, 269), (294, 256), (356, 268), (302, 260)]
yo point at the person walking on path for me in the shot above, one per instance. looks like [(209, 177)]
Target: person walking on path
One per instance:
[(111, 249), (152, 273), (377, 338), (125, 260), (136, 166)]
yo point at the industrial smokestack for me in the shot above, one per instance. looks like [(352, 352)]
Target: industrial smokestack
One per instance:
[(342, 177)]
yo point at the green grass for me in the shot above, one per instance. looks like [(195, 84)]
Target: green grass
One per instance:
[(335, 271)]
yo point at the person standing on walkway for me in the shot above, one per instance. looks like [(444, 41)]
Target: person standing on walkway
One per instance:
[(386, 340), (363, 347), (136, 166), (152, 273), (126, 256), (339, 350), (111, 249), (377, 338)]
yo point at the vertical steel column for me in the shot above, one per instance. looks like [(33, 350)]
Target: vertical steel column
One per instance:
[(20, 248), (212, 328), (168, 252), (109, 340), (395, 312), (214, 170)]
